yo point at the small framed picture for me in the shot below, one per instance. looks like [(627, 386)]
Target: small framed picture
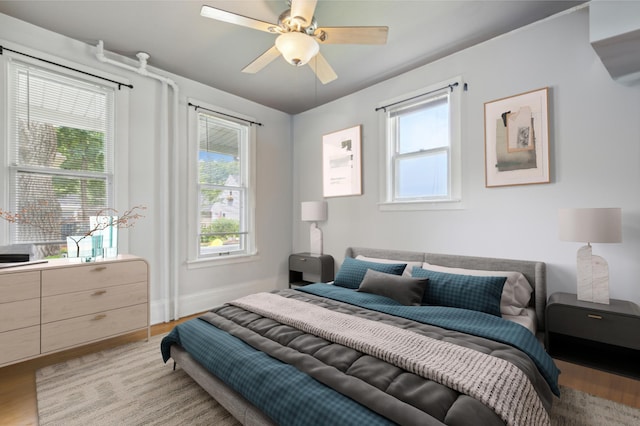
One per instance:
[(342, 163), (516, 139)]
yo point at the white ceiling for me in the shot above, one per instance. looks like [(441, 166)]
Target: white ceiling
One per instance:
[(180, 41)]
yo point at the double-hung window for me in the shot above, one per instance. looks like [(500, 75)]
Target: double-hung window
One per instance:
[(60, 153), (422, 149), (224, 188)]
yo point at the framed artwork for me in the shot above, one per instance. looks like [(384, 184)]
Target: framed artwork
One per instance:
[(516, 139), (342, 163)]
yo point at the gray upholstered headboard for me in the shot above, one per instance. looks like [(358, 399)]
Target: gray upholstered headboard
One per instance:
[(535, 272)]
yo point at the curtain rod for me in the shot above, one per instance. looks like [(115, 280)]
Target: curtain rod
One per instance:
[(450, 86), (130, 86), (222, 113)]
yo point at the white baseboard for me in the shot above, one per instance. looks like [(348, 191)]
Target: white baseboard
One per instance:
[(190, 304)]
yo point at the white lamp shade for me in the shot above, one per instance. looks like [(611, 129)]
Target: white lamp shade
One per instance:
[(593, 225), (313, 211), (297, 48)]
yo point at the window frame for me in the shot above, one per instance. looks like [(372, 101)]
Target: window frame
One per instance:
[(388, 157), (119, 176), (194, 259)]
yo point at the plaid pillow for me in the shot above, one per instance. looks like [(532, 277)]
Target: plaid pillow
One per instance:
[(352, 271), (476, 293)]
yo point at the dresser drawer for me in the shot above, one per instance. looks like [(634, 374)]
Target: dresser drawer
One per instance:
[(20, 314), (69, 305), (92, 276), (19, 344), (19, 286), (592, 324), (80, 330)]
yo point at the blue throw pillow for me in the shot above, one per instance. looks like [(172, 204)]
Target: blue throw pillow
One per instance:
[(352, 271), (476, 293)]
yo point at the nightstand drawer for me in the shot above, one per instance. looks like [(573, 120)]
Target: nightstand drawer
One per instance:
[(307, 268), (303, 263), (593, 324)]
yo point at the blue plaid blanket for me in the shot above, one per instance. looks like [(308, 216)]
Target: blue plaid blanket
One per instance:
[(463, 320), (267, 383)]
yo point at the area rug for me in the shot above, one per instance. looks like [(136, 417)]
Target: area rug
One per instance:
[(130, 386), (126, 386), (577, 408)]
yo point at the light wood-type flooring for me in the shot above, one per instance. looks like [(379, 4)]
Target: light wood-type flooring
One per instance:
[(18, 388)]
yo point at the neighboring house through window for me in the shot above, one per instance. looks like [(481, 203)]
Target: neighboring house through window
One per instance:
[(422, 167), (59, 167), (224, 189)]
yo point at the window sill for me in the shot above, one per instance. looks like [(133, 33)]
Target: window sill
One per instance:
[(421, 205), (221, 260)]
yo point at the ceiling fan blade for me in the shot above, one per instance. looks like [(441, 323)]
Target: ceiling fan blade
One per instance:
[(323, 70), (232, 18), (262, 61), (353, 35), (303, 9)]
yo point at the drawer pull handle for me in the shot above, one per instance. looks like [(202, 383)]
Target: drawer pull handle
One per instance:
[(99, 268), (99, 317), (302, 259), (598, 317), (99, 292)]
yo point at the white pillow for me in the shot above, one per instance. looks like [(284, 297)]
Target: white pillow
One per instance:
[(516, 292), (407, 269)]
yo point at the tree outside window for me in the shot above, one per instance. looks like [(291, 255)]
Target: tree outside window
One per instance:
[(62, 155)]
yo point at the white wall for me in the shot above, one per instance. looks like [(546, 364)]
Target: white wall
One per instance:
[(202, 287), (595, 159)]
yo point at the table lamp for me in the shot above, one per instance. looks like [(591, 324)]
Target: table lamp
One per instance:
[(314, 211), (592, 225)]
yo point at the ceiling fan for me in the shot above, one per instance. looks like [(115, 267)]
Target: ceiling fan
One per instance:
[(299, 37)]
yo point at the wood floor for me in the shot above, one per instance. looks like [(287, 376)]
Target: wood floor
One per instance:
[(18, 388)]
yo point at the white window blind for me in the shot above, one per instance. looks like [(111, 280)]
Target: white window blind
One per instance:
[(60, 152)]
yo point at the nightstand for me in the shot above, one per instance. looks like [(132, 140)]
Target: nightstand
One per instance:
[(605, 337), (303, 266)]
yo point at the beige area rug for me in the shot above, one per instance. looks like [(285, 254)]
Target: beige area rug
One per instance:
[(129, 386), (125, 386)]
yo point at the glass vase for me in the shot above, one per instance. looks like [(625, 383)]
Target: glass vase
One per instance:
[(85, 247)]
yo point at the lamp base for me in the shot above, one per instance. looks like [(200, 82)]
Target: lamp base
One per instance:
[(593, 277), (315, 239)]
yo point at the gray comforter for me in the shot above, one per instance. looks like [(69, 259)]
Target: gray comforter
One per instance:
[(397, 394)]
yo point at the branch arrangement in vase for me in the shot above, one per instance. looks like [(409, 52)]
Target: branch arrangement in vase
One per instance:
[(105, 218)]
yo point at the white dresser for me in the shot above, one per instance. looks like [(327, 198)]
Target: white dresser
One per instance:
[(53, 306)]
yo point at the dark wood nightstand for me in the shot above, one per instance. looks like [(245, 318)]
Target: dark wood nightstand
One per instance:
[(306, 265), (606, 337)]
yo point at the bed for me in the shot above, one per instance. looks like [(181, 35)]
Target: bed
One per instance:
[(400, 337)]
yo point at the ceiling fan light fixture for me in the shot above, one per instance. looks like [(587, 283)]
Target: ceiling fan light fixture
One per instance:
[(297, 48)]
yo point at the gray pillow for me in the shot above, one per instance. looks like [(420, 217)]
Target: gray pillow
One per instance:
[(406, 290)]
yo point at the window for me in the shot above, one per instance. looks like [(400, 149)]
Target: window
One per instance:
[(422, 149), (60, 154), (224, 190)]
